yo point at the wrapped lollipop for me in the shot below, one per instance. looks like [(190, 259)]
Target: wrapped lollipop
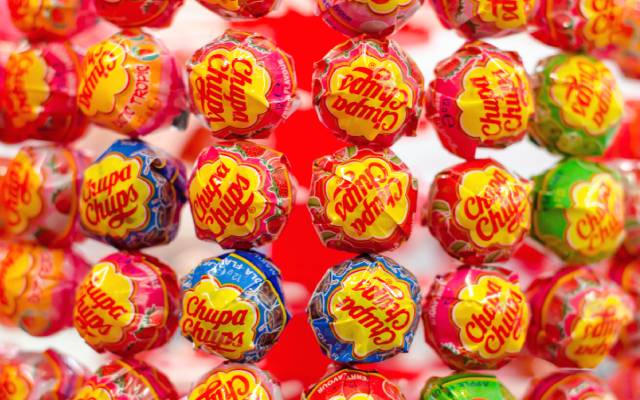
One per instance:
[(131, 196), (40, 94), (627, 54), (630, 172), (476, 317), (577, 317), (130, 83), (349, 383), (465, 387), (128, 303), (362, 200), (240, 194), (579, 105), (39, 195), (241, 85), (579, 211), (37, 286), (233, 306), (624, 270), (49, 20), (365, 310), (570, 385), (479, 211), (127, 379), (368, 91), (480, 97), (238, 10), (236, 381), (135, 13)]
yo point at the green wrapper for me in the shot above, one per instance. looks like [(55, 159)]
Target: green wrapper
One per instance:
[(465, 387)]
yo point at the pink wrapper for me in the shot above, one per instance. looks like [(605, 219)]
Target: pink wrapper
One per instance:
[(570, 385)]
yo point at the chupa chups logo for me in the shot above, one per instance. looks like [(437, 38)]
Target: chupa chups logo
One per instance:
[(13, 384), (369, 96), (90, 392), (232, 383), (371, 309), (367, 198), (14, 278), (492, 316), (21, 198), (217, 317), (506, 14), (230, 89), (604, 21), (384, 6), (26, 87), (230, 5)]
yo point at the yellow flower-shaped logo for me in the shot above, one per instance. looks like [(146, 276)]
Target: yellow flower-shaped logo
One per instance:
[(505, 14), (89, 392), (21, 197), (14, 385), (233, 383), (384, 6), (14, 275), (604, 21), (26, 87), (231, 5)]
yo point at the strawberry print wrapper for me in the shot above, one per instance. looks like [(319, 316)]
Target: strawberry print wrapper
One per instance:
[(578, 211), (479, 211), (49, 20), (349, 383), (40, 94), (233, 306), (241, 85), (579, 105), (577, 317), (128, 303), (465, 387), (240, 10), (131, 196), (368, 91), (126, 379), (570, 385), (236, 381), (365, 310), (480, 97), (630, 172), (624, 270), (135, 13), (241, 194), (476, 317), (40, 376), (37, 286), (362, 200), (39, 195), (130, 83), (371, 17)]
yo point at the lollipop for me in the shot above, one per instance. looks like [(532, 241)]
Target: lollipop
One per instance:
[(349, 383), (625, 271), (627, 53), (569, 385), (240, 194), (135, 13), (236, 381), (132, 195), (233, 306), (362, 200), (630, 172), (238, 10), (480, 97), (465, 387), (479, 211), (241, 85), (51, 19), (368, 92), (128, 303), (365, 310)]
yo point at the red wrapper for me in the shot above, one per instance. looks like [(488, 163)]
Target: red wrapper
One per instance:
[(368, 92), (480, 97), (479, 211), (624, 269), (238, 10), (136, 13), (362, 200), (128, 303), (236, 381), (625, 383), (570, 385), (349, 383), (51, 19)]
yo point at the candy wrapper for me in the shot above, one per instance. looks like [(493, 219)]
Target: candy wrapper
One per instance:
[(239, 10), (480, 97), (579, 211), (365, 310), (479, 211), (236, 381), (362, 200), (371, 17), (135, 13), (577, 317), (625, 382), (630, 172), (241, 85), (465, 387), (126, 379), (131, 196), (130, 83), (349, 383), (476, 317), (627, 54), (368, 91), (570, 385), (624, 270), (51, 19), (37, 286), (40, 94), (40, 376), (128, 303), (579, 105), (233, 306), (240, 194)]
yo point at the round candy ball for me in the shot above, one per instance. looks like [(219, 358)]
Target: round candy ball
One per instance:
[(368, 91), (49, 20), (480, 97), (569, 385), (131, 196), (241, 194), (365, 310), (362, 200), (465, 387), (578, 211), (238, 381), (627, 53), (240, 10), (479, 211), (350, 383), (128, 303), (135, 13), (233, 306), (577, 317), (129, 83), (625, 271)]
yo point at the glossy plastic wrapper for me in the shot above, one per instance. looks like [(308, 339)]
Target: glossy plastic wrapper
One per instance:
[(570, 385), (49, 20), (135, 13), (349, 383), (465, 387), (627, 53), (624, 269), (241, 10), (236, 381), (629, 170)]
